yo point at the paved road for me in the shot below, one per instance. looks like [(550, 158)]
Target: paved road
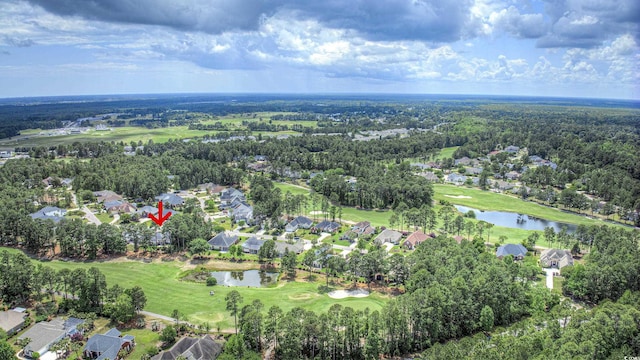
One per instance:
[(90, 216)]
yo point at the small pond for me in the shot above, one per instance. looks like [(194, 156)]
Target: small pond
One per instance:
[(516, 221), (251, 278)]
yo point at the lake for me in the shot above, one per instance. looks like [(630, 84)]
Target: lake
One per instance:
[(251, 278), (516, 221)]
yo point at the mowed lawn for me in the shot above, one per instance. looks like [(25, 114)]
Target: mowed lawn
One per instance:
[(165, 292), (487, 200)]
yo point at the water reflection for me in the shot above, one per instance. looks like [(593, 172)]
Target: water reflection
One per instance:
[(251, 278), (516, 221)]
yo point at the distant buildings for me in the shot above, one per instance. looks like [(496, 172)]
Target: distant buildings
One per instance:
[(49, 213)]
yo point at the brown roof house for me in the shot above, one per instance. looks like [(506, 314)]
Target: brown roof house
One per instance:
[(556, 258), (415, 239)]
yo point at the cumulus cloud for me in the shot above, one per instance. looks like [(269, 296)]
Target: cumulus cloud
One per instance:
[(521, 25)]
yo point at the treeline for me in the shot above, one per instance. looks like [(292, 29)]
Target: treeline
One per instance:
[(597, 151), (451, 292), (611, 267), (82, 290), (610, 331)]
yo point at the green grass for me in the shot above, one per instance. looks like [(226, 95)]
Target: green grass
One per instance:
[(165, 292), (294, 189), (486, 200), (145, 339), (446, 153), (104, 217)]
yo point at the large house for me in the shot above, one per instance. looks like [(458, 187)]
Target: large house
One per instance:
[(241, 212), (456, 179), (12, 321), (204, 348), (106, 195), (281, 246), (301, 222), (227, 196), (222, 241), (415, 239), (108, 345), (252, 245), (49, 213), (390, 236), (327, 226), (516, 250), (556, 258), (44, 334), (170, 200)]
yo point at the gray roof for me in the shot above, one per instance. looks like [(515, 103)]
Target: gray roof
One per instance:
[(108, 344), (10, 320), (327, 226), (561, 257), (299, 222), (204, 348), (296, 247), (223, 240), (511, 249), (170, 199), (49, 213), (253, 243), (388, 235), (44, 334)]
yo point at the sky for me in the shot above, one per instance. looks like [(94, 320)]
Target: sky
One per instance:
[(567, 48)]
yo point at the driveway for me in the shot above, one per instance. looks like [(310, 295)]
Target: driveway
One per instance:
[(91, 216), (550, 276)]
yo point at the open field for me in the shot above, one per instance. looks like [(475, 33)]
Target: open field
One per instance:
[(486, 200), (446, 152), (165, 292), (294, 189)]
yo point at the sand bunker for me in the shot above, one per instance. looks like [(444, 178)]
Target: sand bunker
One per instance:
[(459, 196), (341, 294)]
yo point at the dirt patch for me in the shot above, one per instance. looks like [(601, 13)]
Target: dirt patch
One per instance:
[(459, 196), (341, 294)]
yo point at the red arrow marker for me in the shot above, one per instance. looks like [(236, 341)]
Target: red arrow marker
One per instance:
[(160, 219)]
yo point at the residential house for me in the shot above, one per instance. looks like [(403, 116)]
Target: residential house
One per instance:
[(465, 161), (430, 176), (5, 154), (160, 239), (327, 226), (46, 333), (108, 345), (211, 188), (222, 241), (204, 348), (516, 250), (106, 195), (512, 175), (503, 185), (252, 245), (170, 200), (456, 179), (119, 207), (49, 213), (474, 170), (12, 321), (241, 212), (301, 222), (363, 228), (415, 239), (281, 246), (146, 210), (556, 258), (512, 149), (228, 195), (388, 236)]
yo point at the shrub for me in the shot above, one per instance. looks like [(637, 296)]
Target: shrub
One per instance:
[(211, 281)]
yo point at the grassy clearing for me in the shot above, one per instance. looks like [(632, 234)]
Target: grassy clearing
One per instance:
[(446, 153), (293, 189), (165, 292), (486, 200)]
